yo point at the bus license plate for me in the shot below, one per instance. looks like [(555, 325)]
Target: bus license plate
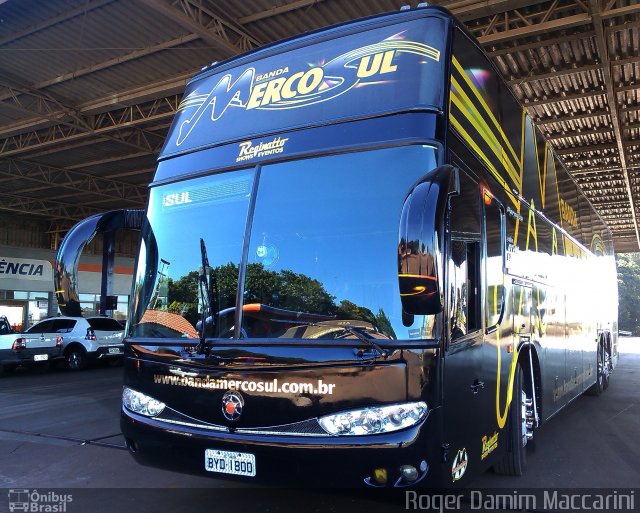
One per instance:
[(40, 357), (225, 462)]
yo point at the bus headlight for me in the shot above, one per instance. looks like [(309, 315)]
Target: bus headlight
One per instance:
[(379, 419), (140, 403)]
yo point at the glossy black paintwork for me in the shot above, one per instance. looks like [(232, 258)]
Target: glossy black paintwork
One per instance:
[(465, 380), (362, 378), (173, 376), (313, 461)]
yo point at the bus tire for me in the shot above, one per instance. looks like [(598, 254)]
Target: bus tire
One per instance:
[(602, 370), (607, 364), (514, 461)]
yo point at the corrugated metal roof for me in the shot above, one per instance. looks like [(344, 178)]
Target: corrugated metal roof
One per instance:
[(96, 81)]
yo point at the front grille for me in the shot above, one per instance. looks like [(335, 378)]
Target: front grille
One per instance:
[(309, 427)]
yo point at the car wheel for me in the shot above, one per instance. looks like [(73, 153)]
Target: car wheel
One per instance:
[(519, 430), (77, 359)]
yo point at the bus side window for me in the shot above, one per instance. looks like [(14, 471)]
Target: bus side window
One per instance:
[(464, 260), (494, 261)]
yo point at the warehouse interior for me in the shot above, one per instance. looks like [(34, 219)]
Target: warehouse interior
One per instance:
[(88, 90)]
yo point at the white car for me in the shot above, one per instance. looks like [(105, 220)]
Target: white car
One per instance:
[(30, 348), (84, 339)]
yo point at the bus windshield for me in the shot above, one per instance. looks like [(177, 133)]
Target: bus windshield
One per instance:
[(321, 255)]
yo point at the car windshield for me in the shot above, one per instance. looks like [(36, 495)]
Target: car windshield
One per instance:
[(320, 260)]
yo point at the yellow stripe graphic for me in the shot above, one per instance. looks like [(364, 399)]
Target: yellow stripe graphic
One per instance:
[(501, 416), (465, 77), (485, 159), (467, 107)]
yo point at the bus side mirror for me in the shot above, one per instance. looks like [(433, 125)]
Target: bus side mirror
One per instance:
[(421, 239), (66, 265)]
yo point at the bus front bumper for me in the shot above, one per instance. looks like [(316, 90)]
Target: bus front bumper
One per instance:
[(344, 462)]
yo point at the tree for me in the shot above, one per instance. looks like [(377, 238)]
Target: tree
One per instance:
[(283, 289), (288, 290), (383, 323), (183, 296), (352, 312), (629, 292)]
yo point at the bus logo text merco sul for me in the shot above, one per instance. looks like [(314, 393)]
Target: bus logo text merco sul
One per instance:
[(299, 88)]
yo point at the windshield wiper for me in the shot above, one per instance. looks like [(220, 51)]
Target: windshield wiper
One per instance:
[(361, 335), (206, 283), (353, 330)]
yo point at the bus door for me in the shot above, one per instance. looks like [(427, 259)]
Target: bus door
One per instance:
[(466, 392), (522, 305), (497, 331)]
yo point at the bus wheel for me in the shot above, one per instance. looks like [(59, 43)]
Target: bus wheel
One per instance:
[(606, 365), (602, 371), (519, 430)]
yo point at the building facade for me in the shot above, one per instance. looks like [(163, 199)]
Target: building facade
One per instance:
[(27, 292)]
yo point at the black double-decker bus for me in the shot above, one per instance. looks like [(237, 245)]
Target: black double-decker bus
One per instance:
[(360, 263)]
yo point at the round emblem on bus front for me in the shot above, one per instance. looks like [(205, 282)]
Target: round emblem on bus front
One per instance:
[(232, 404)]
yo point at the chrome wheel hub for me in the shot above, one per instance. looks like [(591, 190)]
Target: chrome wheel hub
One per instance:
[(528, 418), (606, 364)]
